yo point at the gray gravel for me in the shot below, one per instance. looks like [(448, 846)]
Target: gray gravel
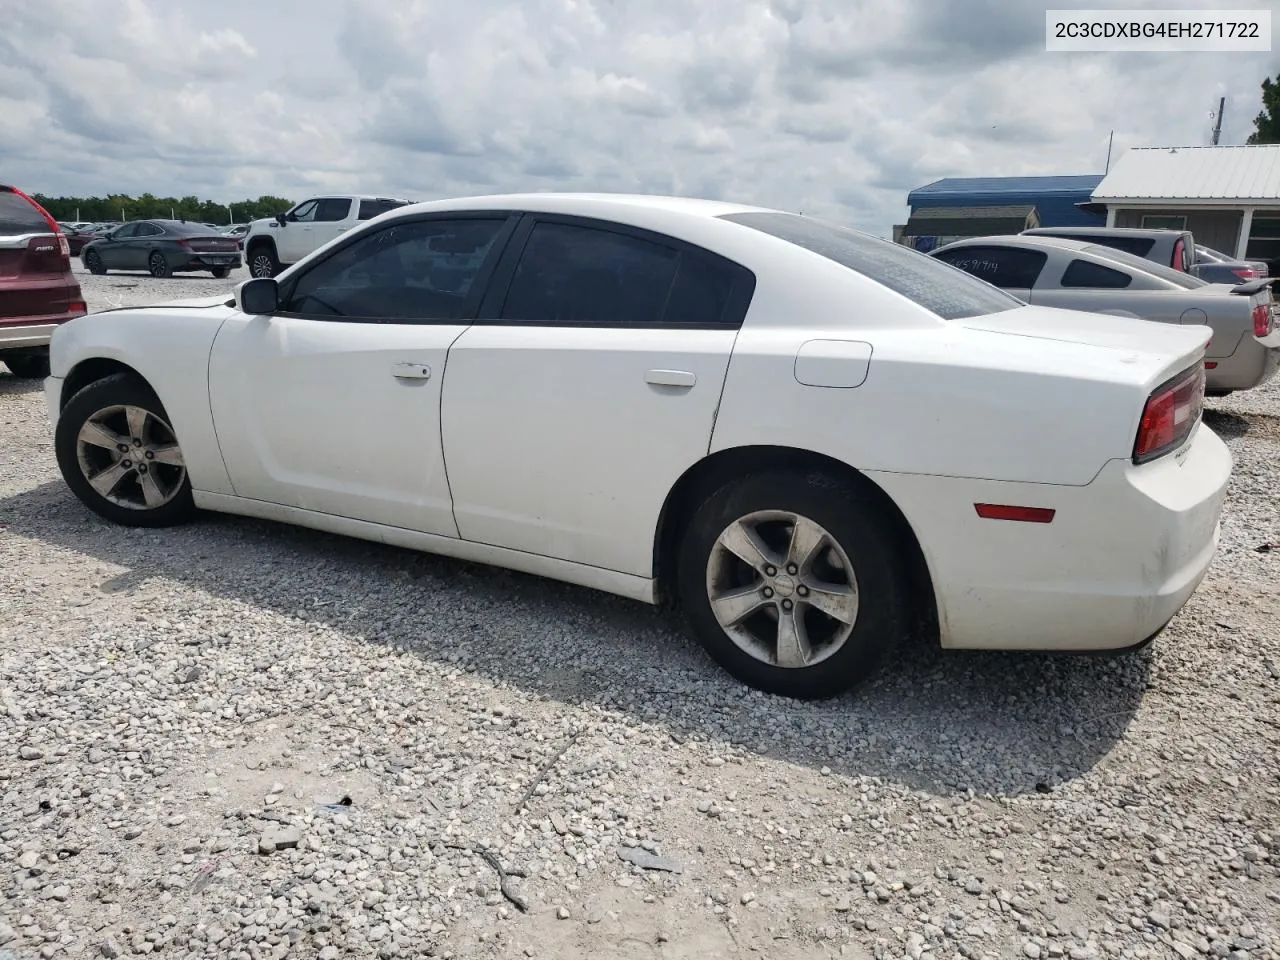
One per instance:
[(237, 739)]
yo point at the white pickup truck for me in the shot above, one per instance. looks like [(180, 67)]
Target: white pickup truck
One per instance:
[(274, 243)]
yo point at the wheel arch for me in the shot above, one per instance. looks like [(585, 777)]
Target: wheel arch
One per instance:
[(91, 371), (708, 474), (252, 243)]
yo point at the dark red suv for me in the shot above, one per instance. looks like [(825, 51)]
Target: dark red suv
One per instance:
[(37, 288)]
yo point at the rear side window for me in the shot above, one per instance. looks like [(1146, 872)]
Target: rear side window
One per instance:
[(372, 208), (950, 294), (332, 209), (1007, 267), (580, 275), (1184, 280), (147, 230), (18, 217), (1083, 273)]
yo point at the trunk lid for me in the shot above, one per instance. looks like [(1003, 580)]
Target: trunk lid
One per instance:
[(1160, 350)]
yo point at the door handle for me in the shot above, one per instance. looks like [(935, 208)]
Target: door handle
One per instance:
[(671, 378), (410, 371)]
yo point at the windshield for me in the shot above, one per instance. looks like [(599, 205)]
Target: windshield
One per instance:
[(1184, 280), (946, 291)]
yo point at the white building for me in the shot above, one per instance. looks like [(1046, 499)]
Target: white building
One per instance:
[(1228, 197)]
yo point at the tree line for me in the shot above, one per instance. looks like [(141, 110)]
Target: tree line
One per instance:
[(149, 207)]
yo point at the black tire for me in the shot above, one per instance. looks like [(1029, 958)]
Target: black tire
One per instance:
[(94, 263), (158, 264), (262, 261), (857, 523), (221, 273), (27, 366), (120, 389)]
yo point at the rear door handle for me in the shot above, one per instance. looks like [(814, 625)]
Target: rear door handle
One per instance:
[(410, 371), (671, 378)]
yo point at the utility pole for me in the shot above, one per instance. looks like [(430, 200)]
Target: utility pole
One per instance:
[(1109, 141), (1217, 126)]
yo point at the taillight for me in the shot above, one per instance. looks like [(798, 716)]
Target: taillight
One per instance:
[(64, 248), (1261, 320), (77, 306), (1245, 273), (185, 244), (1170, 415)]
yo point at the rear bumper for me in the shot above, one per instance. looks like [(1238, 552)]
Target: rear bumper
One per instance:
[(207, 261), (1253, 363), (35, 334), (1119, 560)]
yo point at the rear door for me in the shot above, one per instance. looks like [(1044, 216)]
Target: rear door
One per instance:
[(587, 386), (34, 274)]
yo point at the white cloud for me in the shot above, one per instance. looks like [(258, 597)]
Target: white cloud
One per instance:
[(835, 107)]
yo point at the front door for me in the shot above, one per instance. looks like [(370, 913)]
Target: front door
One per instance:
[(331, 220), (589, 384), (295, 238), (332, 403), (118, 253)]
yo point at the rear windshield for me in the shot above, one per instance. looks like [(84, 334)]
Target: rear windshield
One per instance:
[(1184, 280), (939, 287), (188, 229), (18, 217)]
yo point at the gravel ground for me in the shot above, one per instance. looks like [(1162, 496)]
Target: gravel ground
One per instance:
[(238, 739)]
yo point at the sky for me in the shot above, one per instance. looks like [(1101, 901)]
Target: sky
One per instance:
[(835, 108)]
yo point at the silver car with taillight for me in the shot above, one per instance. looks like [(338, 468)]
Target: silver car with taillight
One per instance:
[(1075, 275)]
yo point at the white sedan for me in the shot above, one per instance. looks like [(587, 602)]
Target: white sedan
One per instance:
[(814, 441)]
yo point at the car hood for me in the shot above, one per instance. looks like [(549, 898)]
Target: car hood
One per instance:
[(189, 303), (1168, 347)]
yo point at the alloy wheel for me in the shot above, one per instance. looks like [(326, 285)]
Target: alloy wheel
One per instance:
[(130, 457), (782, 588)]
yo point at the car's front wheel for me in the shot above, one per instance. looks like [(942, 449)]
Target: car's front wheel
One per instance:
[(118, 453), (794, 582), (263, 262)]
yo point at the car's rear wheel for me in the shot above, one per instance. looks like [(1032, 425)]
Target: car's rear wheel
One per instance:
[(221, 272), (27, 366), (795, 583), (263, 262), (158, 264), (94, 263), (119, 455)]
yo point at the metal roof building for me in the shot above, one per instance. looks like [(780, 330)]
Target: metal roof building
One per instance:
[(1228, 197), (1055, 202)]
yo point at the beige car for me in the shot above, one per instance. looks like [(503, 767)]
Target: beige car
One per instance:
[(1074, 275)]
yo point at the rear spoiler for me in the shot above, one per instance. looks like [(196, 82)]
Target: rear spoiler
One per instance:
[(1250, 287)]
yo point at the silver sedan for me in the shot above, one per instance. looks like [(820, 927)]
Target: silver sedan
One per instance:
[(1075, 275)]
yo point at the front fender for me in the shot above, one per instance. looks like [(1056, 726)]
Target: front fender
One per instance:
[(169, 349)]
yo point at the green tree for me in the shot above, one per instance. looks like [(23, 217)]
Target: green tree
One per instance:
[(148, 206), (1266, 126)]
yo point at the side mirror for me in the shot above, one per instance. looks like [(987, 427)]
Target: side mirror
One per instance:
[(281, 218), (259, 296)]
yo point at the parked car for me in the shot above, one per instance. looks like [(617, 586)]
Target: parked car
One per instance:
[(38, 292), (815, 441), (235, 230), (162, 247), (78, 235), (1053, 272), (1170, 248), (1217, 267), (273, 243)]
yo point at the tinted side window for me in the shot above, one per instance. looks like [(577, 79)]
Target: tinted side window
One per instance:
[(17, 217), (915, 275), (1001, 266), (372, 208), (126, 232), (332, 209), (421, 270), (148, 230), (1082, 273), (570, 274)]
